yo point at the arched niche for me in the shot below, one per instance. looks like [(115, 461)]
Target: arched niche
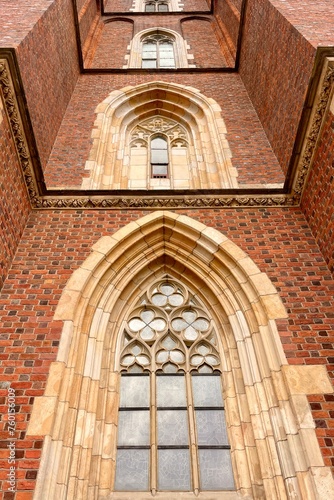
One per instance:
[(274, 449), (209, 163)]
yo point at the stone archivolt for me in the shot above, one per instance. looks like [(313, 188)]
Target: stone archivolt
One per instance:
[(208, 161), (274, 449)]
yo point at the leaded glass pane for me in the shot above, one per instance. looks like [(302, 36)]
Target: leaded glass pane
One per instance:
[(211, 427), (135, 392), (167, 289), (159, 300), (207, 390), (173, 470), (171, 391), (132, 470), (134, 428), (176, 300), (215, 470), (168, 343), (172, 428), (149, 63)]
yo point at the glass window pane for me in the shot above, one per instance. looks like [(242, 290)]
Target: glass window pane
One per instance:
[(150, 47), (167, 63), (173, 470), (132, 470), (162, 7), (135, 392), (134, 428), (207, 390), (172, 428), (148, 64), (159, 156), (216, 470), (211, 427), (149, 7), (159, 143), (159, 170), (171, 391)]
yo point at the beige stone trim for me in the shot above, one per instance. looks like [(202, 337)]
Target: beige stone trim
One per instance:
[(210, 165), (274, 450), (182, 58)]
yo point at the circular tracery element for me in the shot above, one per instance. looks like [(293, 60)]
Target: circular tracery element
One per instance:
[(169, 331)]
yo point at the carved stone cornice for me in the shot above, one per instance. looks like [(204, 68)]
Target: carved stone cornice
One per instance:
[(165, 202), (9, 93), (320, 97)]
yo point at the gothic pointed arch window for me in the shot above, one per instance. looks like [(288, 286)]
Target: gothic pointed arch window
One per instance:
[(158, 51), (172, 434)]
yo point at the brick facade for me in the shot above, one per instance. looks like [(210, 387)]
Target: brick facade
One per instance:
[(261, 105), (55, 243)]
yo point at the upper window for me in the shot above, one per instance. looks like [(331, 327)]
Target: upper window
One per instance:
[(172, 434), (158, 52), (156, 6), (159, 157)]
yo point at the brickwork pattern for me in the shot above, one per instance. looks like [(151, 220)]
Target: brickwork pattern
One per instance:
[(201, 37), (14, 203), (113, 44), (318, 200), (228, 15), (251, 152), (314, 20), (126, 5), (55, 243), (87, 13), (49, 76), (275, 66)]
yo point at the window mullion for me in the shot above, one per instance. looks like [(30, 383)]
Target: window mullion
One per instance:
[(192, 436), (154, 456)]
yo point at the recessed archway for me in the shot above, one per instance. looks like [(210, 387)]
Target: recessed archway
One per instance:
[(275, 453), (209, 163)]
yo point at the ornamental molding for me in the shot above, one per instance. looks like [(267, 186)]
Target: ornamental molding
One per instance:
[(12, 108), (324, 93), (40, 198)]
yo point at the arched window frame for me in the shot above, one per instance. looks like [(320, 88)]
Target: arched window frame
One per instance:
[(172, 433), (164, 46), (181, 56), (157, 4)]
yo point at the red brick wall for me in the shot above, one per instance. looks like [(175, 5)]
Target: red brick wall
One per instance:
[(117, 5), (314, 20), (49, 70), (113, 43), (200, 35), (14, 203), (275, 66), (251, 152), (318, 198), (56, 242), (228, 17), (87, 13), (126, 5)]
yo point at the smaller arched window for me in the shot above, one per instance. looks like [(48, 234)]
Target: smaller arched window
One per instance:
[(158, 52), (159, 157)]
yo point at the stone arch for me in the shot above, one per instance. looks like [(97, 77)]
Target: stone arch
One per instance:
[(182, 58), (275, 453), (209, 164)]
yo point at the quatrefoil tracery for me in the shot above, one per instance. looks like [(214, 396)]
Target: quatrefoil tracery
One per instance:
[(169, 331)]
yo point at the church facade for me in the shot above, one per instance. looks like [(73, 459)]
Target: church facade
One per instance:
[(167, 249)]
